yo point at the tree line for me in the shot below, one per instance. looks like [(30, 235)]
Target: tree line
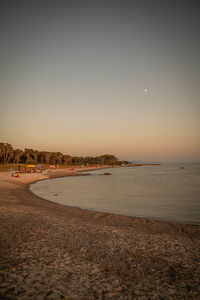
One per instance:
[(8, 155)]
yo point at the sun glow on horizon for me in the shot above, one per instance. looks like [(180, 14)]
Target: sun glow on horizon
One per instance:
[(115, 80)]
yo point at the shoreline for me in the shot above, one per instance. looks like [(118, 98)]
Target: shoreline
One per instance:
[(61, 175), (104, 212), (61, 252)]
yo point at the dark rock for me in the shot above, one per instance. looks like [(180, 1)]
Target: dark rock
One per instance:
[(107, 173)]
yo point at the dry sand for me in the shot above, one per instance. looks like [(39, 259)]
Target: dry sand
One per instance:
[(49, 251)]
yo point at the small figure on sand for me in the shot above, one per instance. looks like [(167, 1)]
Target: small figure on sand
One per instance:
[(15, 175)]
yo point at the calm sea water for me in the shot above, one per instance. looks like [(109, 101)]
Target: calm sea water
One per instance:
[(165, 192)]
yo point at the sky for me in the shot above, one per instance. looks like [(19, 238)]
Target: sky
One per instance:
[(94, 77)]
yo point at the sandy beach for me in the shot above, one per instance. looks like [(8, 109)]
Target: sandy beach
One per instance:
[(50, 251)]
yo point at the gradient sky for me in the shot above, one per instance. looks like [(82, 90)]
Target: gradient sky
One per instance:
[(73, 76)]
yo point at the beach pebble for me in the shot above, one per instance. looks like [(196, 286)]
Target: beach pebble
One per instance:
[(50, 251)]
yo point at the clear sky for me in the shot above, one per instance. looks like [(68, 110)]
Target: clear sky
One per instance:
[(95, 77)]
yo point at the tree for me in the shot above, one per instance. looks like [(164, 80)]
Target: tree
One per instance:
[(6, 153), (9, 155), (17, 156)]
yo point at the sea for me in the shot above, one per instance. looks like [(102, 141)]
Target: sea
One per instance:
[(169, 192)]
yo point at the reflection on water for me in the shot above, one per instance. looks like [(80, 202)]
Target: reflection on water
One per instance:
[(166, 192)]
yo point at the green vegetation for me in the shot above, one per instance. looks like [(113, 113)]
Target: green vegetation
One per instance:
[(11, 158)]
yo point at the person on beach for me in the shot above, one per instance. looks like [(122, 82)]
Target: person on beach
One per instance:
[(15, 175)]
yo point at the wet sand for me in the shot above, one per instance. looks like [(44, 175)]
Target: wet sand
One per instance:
[(50, 251)]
